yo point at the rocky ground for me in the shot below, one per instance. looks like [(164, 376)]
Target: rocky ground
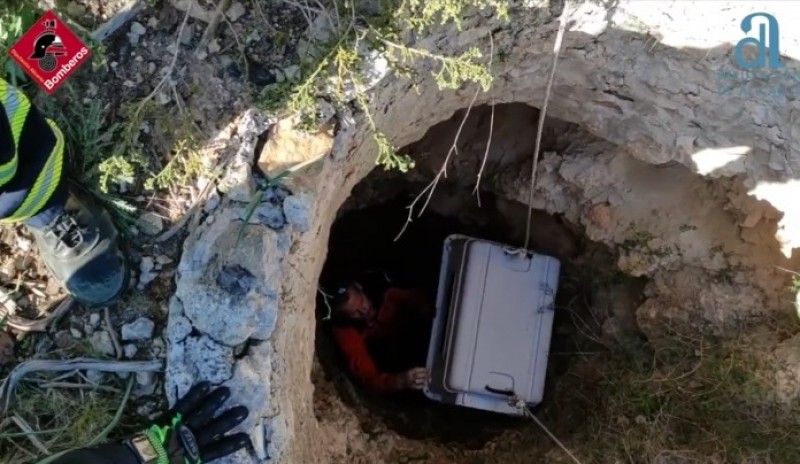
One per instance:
[(156, 53), (215, 301)]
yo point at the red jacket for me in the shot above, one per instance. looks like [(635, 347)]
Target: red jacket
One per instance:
[(392, 320)]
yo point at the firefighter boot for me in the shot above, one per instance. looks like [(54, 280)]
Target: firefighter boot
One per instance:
[(80, 248)]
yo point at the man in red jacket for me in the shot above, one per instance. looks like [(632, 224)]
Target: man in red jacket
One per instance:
[(384, 339)]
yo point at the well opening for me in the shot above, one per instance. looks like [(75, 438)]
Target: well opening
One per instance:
[(595, 302)]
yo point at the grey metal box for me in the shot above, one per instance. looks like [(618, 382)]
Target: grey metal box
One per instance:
[(494, 320)]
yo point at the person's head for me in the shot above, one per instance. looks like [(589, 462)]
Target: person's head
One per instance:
[(352, 303)]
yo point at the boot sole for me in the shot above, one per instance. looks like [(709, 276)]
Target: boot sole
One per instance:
[(126, 282)]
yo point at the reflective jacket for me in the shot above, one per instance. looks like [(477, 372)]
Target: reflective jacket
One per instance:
[(31, 155)]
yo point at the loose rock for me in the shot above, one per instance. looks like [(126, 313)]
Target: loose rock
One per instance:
[(288, 146), (140, 329), (235, 11), (601, 215), (291, 72), (75, 332), (214, 47), (130, 350), (64, 340), (163, 259), (151, 223), (148, 274), (137, 28), (23, 244), (159, 348), (145, 378), (95, 377), (187, 35), (75, 10), (94, 319), (101, 342), (212, 202)]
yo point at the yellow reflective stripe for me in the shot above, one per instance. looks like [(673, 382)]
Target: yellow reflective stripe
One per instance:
[(46, 182), (17, 107), (8, 170)]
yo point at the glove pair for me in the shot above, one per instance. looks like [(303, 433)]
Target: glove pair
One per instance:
[(189, 433)]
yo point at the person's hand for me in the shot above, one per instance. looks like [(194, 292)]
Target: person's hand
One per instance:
[(189, 434), (415, 379)]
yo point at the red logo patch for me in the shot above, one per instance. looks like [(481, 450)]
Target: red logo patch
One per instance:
[(49, 52)]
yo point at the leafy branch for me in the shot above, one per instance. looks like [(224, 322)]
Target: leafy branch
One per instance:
[(337, 72)]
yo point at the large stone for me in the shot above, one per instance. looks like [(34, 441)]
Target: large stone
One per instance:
[(250, 384), (228, 286), (140, 329), (288, 147), (101, 342), (238, 181)]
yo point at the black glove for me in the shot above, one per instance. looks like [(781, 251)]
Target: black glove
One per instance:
[(189, 434)]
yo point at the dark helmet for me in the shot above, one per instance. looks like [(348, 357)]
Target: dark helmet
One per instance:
[(47, 43)]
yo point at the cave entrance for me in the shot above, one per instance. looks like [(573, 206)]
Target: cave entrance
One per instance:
[(366, 237)]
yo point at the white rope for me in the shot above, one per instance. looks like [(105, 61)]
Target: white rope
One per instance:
[(529, 413), (556, 51)]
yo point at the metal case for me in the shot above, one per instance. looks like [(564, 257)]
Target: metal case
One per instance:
[(494, 320)]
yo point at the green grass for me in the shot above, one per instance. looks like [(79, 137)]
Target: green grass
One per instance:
[(699, 400), (64, 419)]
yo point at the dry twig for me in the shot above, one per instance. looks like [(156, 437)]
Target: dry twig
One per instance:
[(122, 17), (112, 333), (431, 187), (36, 365), (8, 308), (477, 191), (304, 9), (219, 13), (84, 386), (29, 434), (171, 67)]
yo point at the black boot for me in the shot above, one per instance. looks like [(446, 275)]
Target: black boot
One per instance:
[(80, 248)]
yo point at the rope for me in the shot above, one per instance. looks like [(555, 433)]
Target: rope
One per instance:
[(556, 51), (528, 413)]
